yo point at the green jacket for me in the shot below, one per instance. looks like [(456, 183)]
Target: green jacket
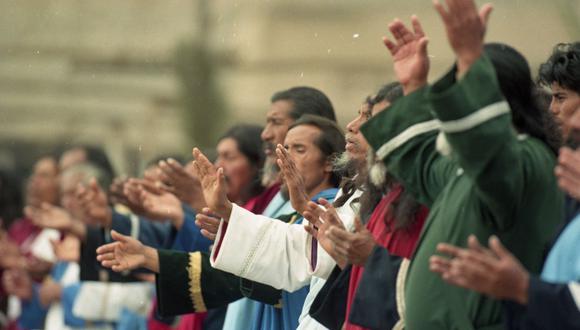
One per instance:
[(494, 182)]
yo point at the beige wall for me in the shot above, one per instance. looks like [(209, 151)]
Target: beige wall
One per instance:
[(101, 71)]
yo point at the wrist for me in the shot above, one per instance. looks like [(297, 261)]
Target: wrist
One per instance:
[(226, 210), (465, 62), (412, 86), (522, 291), (178, 218), (151, 259)]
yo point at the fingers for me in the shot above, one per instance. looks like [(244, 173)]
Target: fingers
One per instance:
[(417, 28), (498, 248), (208, 235), (119, 237), (313, 219), (311, 230), (107, 248), (358, 225), (441, 10), (448, 249), (208, 223), (391, 46), (485, 12), (338, 235), (439, 264)]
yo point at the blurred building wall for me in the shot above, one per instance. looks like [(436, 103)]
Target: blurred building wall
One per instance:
[(103, 72)]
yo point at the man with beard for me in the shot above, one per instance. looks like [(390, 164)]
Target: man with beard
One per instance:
[(286, 107), (551, 301), (312, 142), (286, 265), (498, 177)]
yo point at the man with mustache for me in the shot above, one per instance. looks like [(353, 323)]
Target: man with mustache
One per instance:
[(286, 107)]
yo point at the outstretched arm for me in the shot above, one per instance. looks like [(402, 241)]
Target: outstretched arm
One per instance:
[(127, 253)]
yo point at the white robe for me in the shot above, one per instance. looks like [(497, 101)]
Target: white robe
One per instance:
[(276, 253)]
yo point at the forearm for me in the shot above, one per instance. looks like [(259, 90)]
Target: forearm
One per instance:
[(79, 230)]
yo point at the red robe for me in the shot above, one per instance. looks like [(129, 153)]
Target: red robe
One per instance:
[(399, 242)]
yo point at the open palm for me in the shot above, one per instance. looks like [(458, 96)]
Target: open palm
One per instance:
[(213, 184), (126, 253), (409, 53)]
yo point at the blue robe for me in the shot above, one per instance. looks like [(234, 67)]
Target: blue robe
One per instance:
[(268, 317)]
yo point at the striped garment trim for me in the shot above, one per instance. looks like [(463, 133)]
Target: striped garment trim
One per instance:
[(477, 118), (194, 272), (575, 292), (407, 135)]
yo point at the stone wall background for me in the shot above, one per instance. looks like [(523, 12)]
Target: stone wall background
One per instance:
[(106, 72)]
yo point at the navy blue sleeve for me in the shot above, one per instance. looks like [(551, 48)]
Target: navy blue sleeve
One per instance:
[(189, 238), (550, 306), (32, 313)]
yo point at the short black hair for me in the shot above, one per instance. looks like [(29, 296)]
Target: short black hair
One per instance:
[(331, 141), (562, 67), (306, 100), (390, 92)]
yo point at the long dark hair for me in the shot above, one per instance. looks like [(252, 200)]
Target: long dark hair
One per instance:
[(518, 88), (249, 143)]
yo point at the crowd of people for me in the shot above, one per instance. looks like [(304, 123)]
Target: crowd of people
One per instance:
[(445, 205)]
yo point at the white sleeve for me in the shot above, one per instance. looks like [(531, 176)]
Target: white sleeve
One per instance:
[(262, 249), (104, 301)]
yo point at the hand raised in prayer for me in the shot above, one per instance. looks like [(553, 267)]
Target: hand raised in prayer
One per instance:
[(293, 180), (93, 201), (494, 272), (208, 222), (50, 216), (127, 253), (67, 249), (320, 220), (49, 292), (116, 194), (17, 282), (409, 52), (355, 247), (465, 28), (10, 256), (181, 181), (158, 204), (213, 183)]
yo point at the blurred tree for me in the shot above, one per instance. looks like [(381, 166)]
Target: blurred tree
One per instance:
[(203, 104)]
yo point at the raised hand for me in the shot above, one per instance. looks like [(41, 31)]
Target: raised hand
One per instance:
[(213, 184), (116, 194), (50, 216), (49, 292), (321, 219), (293, 180), (355, 247), (568, 171), (182, 182), (17, 282), (94, 204), (69, 249), (127, 253), (465, 28), (409, 52), (494, 272), (208, 222), (10, 255)]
